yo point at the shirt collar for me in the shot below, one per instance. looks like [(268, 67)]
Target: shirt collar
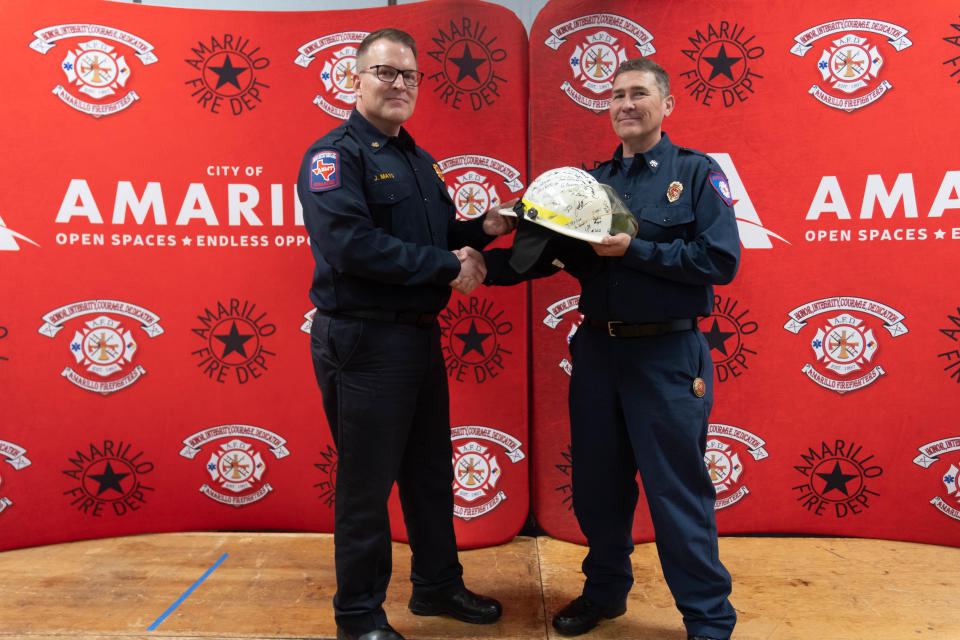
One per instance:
[(652, 158), (374, 139)]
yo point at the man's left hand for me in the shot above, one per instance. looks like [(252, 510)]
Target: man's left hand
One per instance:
[(612, 246), (495, 224)]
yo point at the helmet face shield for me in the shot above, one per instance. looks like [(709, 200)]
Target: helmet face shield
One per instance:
[(621, 220), (571, 201)]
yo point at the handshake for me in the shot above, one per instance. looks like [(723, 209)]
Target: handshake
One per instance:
[(473, 270)]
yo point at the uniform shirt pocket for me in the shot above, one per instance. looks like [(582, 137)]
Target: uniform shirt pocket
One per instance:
[(665, 223), (444, 194), (386, 193), (384, 199)]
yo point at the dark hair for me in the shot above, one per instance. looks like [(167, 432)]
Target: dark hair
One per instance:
[(393, 35), (646, 64)]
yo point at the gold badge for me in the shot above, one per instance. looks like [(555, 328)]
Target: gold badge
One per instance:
[(699, 387), (436, 168), (674, 191), (374, 144)]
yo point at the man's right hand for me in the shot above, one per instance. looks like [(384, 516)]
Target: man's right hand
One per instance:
[(473, 270)]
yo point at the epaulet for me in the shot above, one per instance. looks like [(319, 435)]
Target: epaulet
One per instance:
[(334, 137), (693, 151)]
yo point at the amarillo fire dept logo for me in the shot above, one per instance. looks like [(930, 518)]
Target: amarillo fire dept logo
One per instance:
[(948, 503), (476, 470), (722, 57), (724, 444), (726, 332), (554, 318), (845, 344), (14, 456), (103, 347), (96, 72), (949, 359), (472, 182), (595, 60), (109, 479), (234, 334), (236, 466), (327, 486), (838, 479), (229, 74), (723, 465), (338, 53), (565, 490), (953, 64), (472, 334), (468, 56), (595, 55), (850, 60)]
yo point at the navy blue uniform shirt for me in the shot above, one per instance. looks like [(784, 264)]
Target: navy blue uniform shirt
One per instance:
[(381, 222), (682, 247)]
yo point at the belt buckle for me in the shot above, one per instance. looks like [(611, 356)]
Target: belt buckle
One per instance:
[(611, 327)]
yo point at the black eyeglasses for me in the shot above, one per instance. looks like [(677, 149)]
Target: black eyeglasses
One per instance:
[(388, 74)]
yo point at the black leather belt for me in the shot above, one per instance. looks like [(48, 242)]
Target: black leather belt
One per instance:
[(400, 317), (619, 329)]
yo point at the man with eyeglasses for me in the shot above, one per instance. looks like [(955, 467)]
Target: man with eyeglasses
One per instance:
[(382, 226)]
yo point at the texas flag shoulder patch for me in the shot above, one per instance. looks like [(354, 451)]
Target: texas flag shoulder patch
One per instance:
[(721, 186), (325, 170)]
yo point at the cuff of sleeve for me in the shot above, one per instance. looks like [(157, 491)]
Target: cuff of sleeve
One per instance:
[(449, 268), (478, 231), (638, 254), (496, 261)]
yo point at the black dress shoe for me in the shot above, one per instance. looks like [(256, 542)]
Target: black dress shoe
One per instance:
[(581, 615), (462, 604), (386, 632)]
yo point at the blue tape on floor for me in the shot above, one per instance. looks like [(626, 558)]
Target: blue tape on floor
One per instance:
[(185, 594)]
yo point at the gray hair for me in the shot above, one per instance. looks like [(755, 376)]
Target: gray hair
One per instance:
[(646, 64)]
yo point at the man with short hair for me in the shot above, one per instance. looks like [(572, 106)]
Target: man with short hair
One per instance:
[(641, 387), (381, 225)]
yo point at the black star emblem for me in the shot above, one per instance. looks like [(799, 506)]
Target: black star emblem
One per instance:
[(717, 339), (233, 341), (467, 64), (228, 73), (109, 479), (722, 63), (473, 340), (836, 480)]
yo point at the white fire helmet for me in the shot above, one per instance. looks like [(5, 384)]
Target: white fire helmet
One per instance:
[(571, 201)]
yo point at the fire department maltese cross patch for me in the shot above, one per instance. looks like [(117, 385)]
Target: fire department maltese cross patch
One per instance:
[(325, 171), (721, 186)]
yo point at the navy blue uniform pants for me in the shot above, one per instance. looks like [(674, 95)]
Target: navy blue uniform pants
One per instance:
[(385, 397), (632, 408)]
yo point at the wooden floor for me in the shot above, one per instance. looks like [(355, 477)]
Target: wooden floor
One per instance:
[(280, 586)]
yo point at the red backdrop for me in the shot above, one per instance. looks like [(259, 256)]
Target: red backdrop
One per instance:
[(835, 349), (155, 359)]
